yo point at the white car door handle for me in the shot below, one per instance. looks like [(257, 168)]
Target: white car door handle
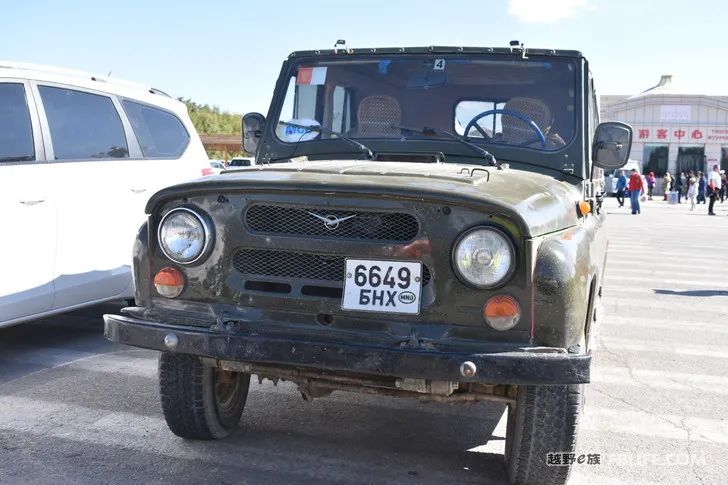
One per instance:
[(138, 190), (32, 201)]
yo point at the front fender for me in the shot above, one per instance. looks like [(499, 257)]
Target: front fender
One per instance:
[(568, 268), (140, 267)]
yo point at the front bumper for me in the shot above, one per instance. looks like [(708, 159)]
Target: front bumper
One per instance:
[(506, 366)]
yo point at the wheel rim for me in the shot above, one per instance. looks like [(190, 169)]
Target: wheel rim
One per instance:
[(226, 387)]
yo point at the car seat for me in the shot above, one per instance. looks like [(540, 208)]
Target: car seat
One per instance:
[(517, 131), (376, 115)]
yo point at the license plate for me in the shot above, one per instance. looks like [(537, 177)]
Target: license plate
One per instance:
[(382, 286)]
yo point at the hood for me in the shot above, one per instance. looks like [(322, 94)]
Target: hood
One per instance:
[(541, 203)]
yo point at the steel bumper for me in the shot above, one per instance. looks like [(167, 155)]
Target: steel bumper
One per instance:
[(506, 366)]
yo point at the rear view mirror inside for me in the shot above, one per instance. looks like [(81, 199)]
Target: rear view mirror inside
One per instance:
[(428, 80)]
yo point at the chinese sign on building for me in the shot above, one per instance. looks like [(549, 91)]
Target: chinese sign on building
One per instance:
[(683, 134)]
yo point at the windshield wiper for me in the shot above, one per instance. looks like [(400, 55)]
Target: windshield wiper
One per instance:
[(363, 148), (428, 131)]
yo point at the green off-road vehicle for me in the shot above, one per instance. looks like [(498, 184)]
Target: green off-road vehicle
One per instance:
[(420, 222)]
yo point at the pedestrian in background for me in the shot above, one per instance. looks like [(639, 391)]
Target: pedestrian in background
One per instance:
[(650, 184), (713, 188), (692, 194), (701, 187), (723, 186), (621, 187), (679, 184), (635, 190), (667, 184)]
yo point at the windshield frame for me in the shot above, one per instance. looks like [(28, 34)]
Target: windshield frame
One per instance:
[(273, 149)]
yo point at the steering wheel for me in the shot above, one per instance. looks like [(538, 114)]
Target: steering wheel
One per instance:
[(474, 124)]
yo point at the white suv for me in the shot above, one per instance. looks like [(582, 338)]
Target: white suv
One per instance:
[(79, 157)]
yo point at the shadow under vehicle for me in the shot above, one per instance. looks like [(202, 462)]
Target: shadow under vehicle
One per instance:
[(421, 222)]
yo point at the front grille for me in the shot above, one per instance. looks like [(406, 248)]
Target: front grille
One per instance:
[(340, 224), (295, 265), (263, 262)]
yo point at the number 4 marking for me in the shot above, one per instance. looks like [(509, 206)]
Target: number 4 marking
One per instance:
[(439, 64)]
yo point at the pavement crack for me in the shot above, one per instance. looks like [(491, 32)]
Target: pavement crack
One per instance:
[(682, 425), (689, 446), (627, 365)]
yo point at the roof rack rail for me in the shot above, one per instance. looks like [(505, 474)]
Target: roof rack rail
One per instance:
[(78, 73)]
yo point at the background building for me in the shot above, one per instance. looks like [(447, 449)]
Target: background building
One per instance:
[(673, 131)]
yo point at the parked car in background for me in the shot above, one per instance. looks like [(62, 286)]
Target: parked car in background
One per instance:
[(79, 157), (611, 183), (216, 166), (241, 162)]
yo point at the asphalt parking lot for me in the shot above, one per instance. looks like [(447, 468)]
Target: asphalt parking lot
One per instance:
[(75, 408)]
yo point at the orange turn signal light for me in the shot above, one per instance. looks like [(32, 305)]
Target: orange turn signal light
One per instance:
[(583, 208), (169, 282), (502, 312)]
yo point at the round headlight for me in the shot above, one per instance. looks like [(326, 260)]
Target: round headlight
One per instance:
[(484, 257), (183, 235)]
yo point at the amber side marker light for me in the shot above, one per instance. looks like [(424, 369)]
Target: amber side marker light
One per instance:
[(169, 282), (583, 208), (502, 312)]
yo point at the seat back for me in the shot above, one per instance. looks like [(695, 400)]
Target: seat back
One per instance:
[(517, 131), (376, 115)]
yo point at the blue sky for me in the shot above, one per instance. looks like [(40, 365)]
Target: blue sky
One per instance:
[(228, 53)]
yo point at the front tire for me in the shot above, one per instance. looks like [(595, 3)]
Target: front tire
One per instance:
[(544, 420), (200, 402)]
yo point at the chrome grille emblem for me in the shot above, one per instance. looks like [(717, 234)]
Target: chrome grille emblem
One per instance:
[(331, 222)]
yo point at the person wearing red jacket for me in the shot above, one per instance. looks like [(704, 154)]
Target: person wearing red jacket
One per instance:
[(635, 190)]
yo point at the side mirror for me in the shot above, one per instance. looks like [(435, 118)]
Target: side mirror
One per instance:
[(253, 124), (611, 146)]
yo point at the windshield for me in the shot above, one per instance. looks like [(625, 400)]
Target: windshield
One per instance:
[(491, 101)]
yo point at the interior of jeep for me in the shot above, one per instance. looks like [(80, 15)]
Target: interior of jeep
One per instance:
[(517, 102)]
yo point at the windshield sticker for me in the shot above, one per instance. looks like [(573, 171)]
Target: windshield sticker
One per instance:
[(313, 76), (439, 65), (294, 134)]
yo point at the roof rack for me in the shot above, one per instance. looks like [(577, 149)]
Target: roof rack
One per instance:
[(78, 73), (438, 50)]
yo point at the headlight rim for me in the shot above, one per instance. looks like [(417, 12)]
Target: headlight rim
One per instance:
[(511, 244), (206, 229)]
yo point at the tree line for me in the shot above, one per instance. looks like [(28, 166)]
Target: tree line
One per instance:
[(211, 120)]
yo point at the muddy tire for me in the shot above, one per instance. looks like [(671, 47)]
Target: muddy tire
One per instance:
[(200, 402), (544, 420)]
